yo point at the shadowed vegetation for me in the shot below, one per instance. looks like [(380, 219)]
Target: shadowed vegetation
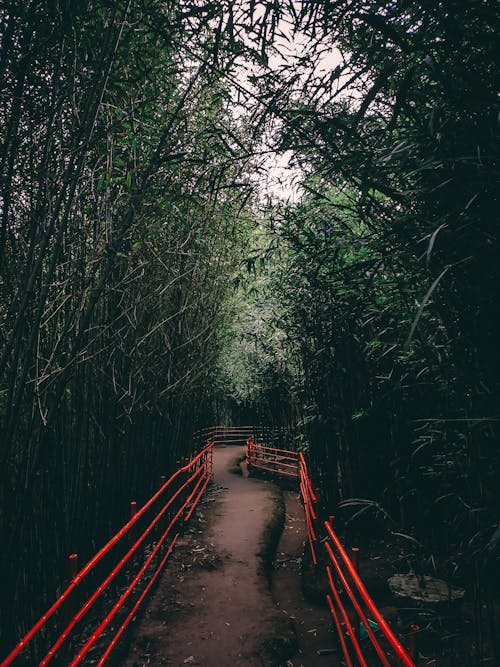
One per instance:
[(150, 285)]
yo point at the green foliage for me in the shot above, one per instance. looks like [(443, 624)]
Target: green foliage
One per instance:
[(387, 268), (144, 287), (255, 371), (125, 182)]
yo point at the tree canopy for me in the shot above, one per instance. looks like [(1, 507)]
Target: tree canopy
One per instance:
[(150, 283)]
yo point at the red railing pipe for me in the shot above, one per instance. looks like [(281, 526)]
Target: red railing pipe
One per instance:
[(356, 605), (136, 606), (259, 455), (309, 484), (340, 633), (90, 565), (279, 459), (207, 479), (125, 595), (112, 575), (381, 622), (347, 622), (287, 452)]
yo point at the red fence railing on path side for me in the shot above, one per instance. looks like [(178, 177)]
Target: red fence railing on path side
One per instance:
[(232, 435), (309, 498), (280, 461), (140, 560), (343, 578)]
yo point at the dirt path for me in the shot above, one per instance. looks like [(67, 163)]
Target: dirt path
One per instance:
[(221, 613), (312, 622)]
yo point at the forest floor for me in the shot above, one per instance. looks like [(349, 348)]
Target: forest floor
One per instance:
[(213, 606)]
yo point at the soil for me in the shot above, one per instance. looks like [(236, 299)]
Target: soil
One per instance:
[(316, 644), (212, 606), (215, 606)]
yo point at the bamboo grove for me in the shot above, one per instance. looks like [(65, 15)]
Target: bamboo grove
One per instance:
[(147, 287), (380, 283), (123, 215)]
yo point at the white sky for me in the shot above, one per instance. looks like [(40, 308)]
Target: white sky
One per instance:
[(281, 179)]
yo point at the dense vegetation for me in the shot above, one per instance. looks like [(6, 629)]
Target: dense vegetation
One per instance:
[(123, 215), (146, 288), (381, 279)]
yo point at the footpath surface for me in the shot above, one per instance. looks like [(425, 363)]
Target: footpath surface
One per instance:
[(215, 613), (213, 606), (312, 622)]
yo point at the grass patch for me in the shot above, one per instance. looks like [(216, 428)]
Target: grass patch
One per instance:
[(272, 532)]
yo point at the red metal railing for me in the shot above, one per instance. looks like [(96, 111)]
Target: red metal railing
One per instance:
[(291, 464), (226, 435), (174, 502), (309, 498), (343, 578), (281, 461), (358, 595)]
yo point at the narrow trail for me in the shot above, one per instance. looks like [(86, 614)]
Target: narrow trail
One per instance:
[(220, 613), (312, 622)]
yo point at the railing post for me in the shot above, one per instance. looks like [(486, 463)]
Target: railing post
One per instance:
[(131, 535), (355, 558), (72, 569), (69, 604), (356, 620), (412, 644)]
